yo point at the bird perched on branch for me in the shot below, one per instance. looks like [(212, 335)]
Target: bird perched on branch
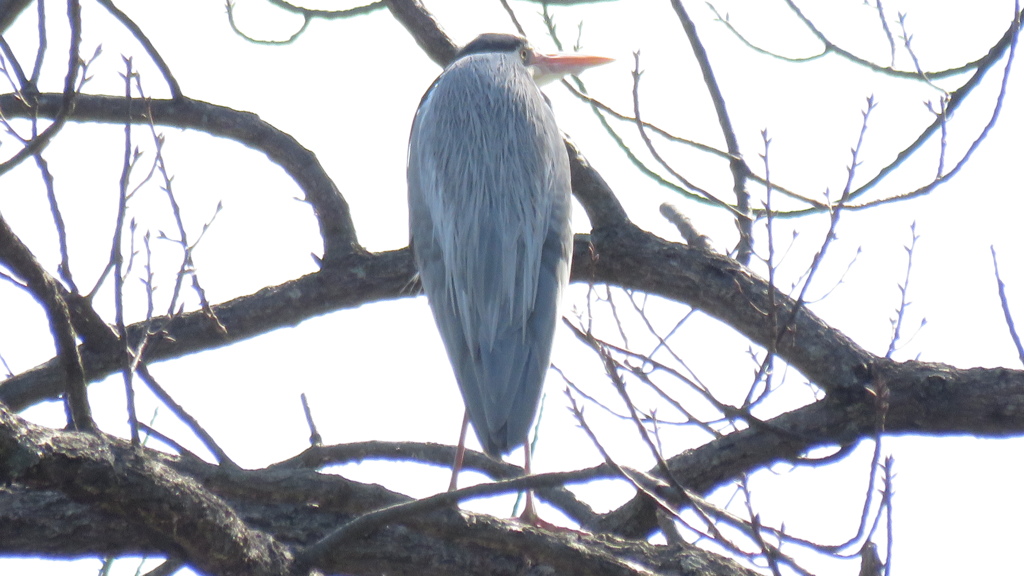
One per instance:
[(489, 209)]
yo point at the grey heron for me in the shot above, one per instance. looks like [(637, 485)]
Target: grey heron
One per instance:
[(489, 209)]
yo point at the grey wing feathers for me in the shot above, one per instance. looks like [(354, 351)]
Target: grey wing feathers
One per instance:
[(489, 220)]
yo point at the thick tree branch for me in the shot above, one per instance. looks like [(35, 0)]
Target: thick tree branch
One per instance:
[(362, 279), (184, 505), (923, 398), (331, 210), (119, 479), (719, 286), (602, 207), (425, 29), (10, 10), (620, 255)]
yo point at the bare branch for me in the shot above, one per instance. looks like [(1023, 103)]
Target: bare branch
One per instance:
[(117, 258), (425, 30), (66, 104), (301, 164), (740, 170), (1004, 301), (151, 50), (45, 289)]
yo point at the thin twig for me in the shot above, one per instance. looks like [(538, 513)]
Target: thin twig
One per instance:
[(904, 288), (1004, 301), (40, 141), (314, 436), (685, 227), (147, 45), (179, 411), (512, 17), (117, 257), (370, 521), (737, 166), (657, 156), (16, 256)]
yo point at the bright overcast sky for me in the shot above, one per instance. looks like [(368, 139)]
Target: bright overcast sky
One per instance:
[(348, 89)]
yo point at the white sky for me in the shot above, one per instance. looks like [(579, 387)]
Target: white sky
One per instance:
[(347, 90)]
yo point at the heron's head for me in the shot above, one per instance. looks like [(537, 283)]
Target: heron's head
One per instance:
[(544, 67)]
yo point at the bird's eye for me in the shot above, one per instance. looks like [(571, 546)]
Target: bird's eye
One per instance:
[(524, 55)]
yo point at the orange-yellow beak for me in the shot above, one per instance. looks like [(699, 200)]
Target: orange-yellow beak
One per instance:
[(549, 67)]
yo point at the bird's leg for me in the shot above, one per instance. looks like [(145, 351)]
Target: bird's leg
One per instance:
[(529, 515), (460, 454)]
